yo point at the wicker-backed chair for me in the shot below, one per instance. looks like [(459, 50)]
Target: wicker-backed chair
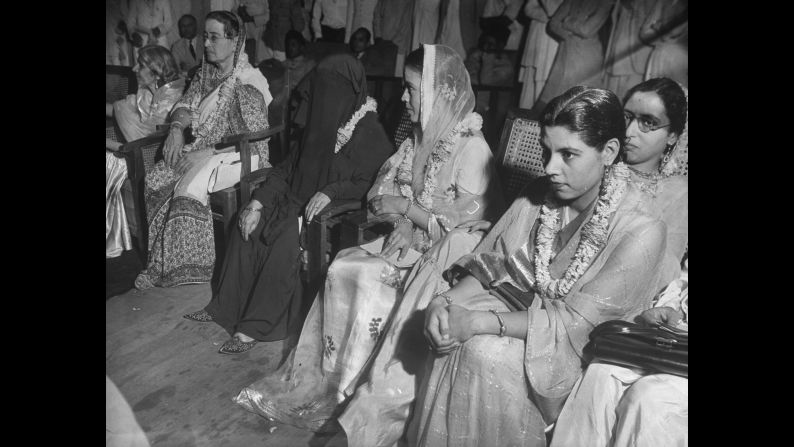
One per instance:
[(519, 156), (140, 156)]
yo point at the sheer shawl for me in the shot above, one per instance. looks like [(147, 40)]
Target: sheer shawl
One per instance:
[(447, 129), (619, 283)]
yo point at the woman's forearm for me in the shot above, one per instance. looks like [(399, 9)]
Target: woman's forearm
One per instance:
[(418, 216), (182, 116), (486, 322), (109, 110)]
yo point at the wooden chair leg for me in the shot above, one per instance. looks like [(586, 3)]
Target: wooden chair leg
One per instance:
[(229, 213), (314, 243)]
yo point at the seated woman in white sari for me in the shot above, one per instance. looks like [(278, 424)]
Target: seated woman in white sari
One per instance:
[(438, 179), (137, 116), (581, 245), (615, 406), (228, 96)]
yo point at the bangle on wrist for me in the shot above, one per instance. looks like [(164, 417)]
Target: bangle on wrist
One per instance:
[(408, 208), (253, 209), (502, 328), (401, 220), (445, 296)]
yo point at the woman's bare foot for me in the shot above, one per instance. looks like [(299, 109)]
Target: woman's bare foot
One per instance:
[(244, 338)]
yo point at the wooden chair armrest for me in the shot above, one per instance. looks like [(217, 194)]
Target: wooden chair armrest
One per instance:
[(256, 177), (341, 207), (132, 152), (249, 136)]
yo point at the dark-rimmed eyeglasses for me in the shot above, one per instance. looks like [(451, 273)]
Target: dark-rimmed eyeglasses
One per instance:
[(214, 38), (644, 124)]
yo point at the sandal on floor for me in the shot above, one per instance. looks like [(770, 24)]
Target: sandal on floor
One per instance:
[(236, 346), (143, 282), (202, 316)]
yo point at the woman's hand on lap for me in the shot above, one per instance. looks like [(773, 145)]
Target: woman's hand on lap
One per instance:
[(315, 205), (191, 159), (656, 315), (437, 327), (249, 218), (386, 204), (400, 239), (173, 147)]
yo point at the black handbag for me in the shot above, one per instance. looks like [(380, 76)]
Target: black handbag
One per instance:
[(661, 349)]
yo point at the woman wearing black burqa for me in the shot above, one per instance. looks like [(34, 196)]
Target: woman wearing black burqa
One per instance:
[(341, 150)]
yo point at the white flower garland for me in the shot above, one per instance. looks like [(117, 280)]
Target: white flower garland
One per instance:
[(440, 155), (344, 133), (593, 238)]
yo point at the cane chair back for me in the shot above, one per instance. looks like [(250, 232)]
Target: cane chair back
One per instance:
[(520, 155)]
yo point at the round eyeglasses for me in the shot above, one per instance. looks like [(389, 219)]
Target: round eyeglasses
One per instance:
[(644, 124), (214, 38)]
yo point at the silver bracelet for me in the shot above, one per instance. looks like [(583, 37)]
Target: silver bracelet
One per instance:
[(446, 297), (408, 208), (401, 220), (502, 328)]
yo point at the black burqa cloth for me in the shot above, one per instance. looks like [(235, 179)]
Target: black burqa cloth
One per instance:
[(259, 288)]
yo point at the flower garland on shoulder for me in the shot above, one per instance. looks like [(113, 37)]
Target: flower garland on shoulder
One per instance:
[(344, 133), (592, 241), (437, 159)]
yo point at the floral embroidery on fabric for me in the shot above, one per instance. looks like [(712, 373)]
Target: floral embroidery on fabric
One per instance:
[(448, 92), (390, 276), (374, 328), (329, 346)]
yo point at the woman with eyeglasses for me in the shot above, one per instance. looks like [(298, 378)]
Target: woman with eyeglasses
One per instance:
[(656, 152), (137, 116), (227, 96)]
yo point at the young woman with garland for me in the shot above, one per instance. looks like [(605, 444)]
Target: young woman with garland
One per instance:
[(360, 346), (258, 294), (583, 244)]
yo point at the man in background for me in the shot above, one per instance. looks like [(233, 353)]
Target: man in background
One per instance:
[(187, 49)]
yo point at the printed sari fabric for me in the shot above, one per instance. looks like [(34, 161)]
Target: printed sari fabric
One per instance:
[(181, 239), (357, 321), (503, 390)]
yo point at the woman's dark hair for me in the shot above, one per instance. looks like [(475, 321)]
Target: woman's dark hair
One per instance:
[(160, 61), (672, 96), (294, 35), (231, 26), (415, 59), (594, 114)]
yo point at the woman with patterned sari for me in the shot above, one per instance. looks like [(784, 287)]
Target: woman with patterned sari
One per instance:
[(657, 154), (227, 97), (581, 245), (137, 116), (439, 179)]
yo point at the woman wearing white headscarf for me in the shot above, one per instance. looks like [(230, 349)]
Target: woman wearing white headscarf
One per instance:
[(227, 97), (363, 321)]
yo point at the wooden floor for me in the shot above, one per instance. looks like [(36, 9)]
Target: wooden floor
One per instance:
[(179, 387)]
